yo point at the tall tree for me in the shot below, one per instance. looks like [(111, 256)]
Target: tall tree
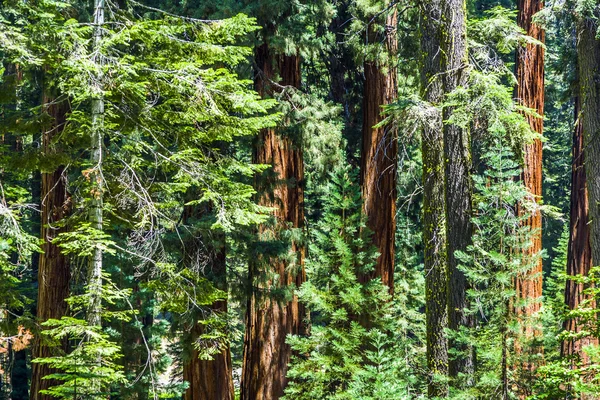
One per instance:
[(380, 147), (448, 189), (434, 202), (530, 93), (458, 182), (270, 319), (588, 66), (579, 254), (54, 269)]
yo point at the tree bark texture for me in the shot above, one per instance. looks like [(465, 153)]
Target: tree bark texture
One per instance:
[(579, 255), (434, 202), (270, 320), (588, 61), (458, 183), (530, 93), (210, 379), (380, 154), (54, 270)]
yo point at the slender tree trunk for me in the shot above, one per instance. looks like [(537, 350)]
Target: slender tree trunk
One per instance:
[(269, 320), (459, 187), (209, 379), (54, 271), (530, 93), (380, 154), (96, 178), (579, 256), (434, 202)]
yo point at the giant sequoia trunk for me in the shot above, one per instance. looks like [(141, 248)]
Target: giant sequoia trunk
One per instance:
[(268, 319), (53, 271), (588, 61), (579, 256), (530, 93), (379, 155)]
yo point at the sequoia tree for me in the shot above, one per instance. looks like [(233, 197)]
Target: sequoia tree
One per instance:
[(579, 255), (380, 148), (269, 317), (530, 93), (54, 271)]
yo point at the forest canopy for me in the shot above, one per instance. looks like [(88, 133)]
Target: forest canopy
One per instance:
[(299, 199)]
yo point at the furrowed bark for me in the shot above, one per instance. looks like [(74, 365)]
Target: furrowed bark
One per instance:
[(530, 93), (588, 66), (588, 61), (434, 202), (579, 255), (270, 320), (380, 153), (54, 269), (458, 183)]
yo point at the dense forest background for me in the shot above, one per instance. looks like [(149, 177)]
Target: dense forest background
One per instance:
[(299, 199)]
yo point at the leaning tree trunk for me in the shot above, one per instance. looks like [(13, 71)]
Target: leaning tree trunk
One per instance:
[(458, 184), (579, 255), (380, 153), (208, 379), (434, 202), (53, 271), (268, 319), (528, 284)]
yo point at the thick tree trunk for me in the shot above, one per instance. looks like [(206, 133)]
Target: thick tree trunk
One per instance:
[(379, 155), (53, 272), (270, 320), (530, 93), (211, 379), (434, 202), (458, 184), (588, 61), (579, 256)]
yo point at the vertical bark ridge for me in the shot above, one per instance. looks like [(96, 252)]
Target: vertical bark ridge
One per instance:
[(379, 155), (54, 269), (269, 320), (579, 255), (434, 202), (458, 184), (530, 93)]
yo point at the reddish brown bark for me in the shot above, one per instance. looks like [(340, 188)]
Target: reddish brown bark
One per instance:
[(208, 379), (54, 271), (530, 93), (579, 256), (270, 320), (379, 155)]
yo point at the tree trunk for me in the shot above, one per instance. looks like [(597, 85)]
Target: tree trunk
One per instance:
[(434, 202), (588, 61), (579, 256), (53, 272), (458, 184), (269, 320), (530, 93), (208, 379), (380, 154)]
